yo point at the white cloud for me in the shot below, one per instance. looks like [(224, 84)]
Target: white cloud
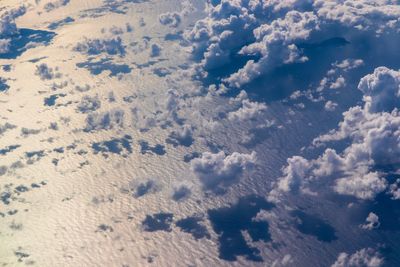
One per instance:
[(248, 111), (361, 169), (112, 46), (339, 83), (268, 32), (381, 89), (330, 106), (366, 257), (219, 170), (372, 222)]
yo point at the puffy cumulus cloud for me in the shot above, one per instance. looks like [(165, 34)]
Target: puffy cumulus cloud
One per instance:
[(362, 167), (363, 15), (217, 171), (182, 136), (381, 89), (267, 34), (113, 46), (372, 222), (366, 257), (330, 106), (248, 111), (275, 43)]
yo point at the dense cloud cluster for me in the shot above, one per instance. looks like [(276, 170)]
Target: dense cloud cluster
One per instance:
[(362, 168), (219, 170), (269, 34)]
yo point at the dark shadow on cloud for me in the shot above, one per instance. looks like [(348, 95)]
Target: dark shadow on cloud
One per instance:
[(229, 222), (312, 225), (193, 226), (145, 148), (19, 43), (97, 67), (3, 85), (181, 193), (145, 188), (283, 80), (173, 36), (256, 136), (59, 23), (51, 100), (188, 157), (110, 6), (120, 146), (158, 222), (8, 149)]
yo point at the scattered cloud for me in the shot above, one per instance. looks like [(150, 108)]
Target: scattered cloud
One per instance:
[(366, 257)]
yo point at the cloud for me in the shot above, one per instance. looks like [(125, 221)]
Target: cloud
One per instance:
[(287, 260), (113, 46), (182, 136), (5, 127), (381, 89), (362, 168), (104, 120), (248, 111), (89, 104), (330, 106), (366, 257), (172, 19), (50, 6), (219, 170), (8, 28), (268, 34), (372, 222), (46, 73)]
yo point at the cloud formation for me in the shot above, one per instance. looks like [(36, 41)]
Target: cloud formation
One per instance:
[(269, 34), (362, 168), (217, 171), (366, 257)]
